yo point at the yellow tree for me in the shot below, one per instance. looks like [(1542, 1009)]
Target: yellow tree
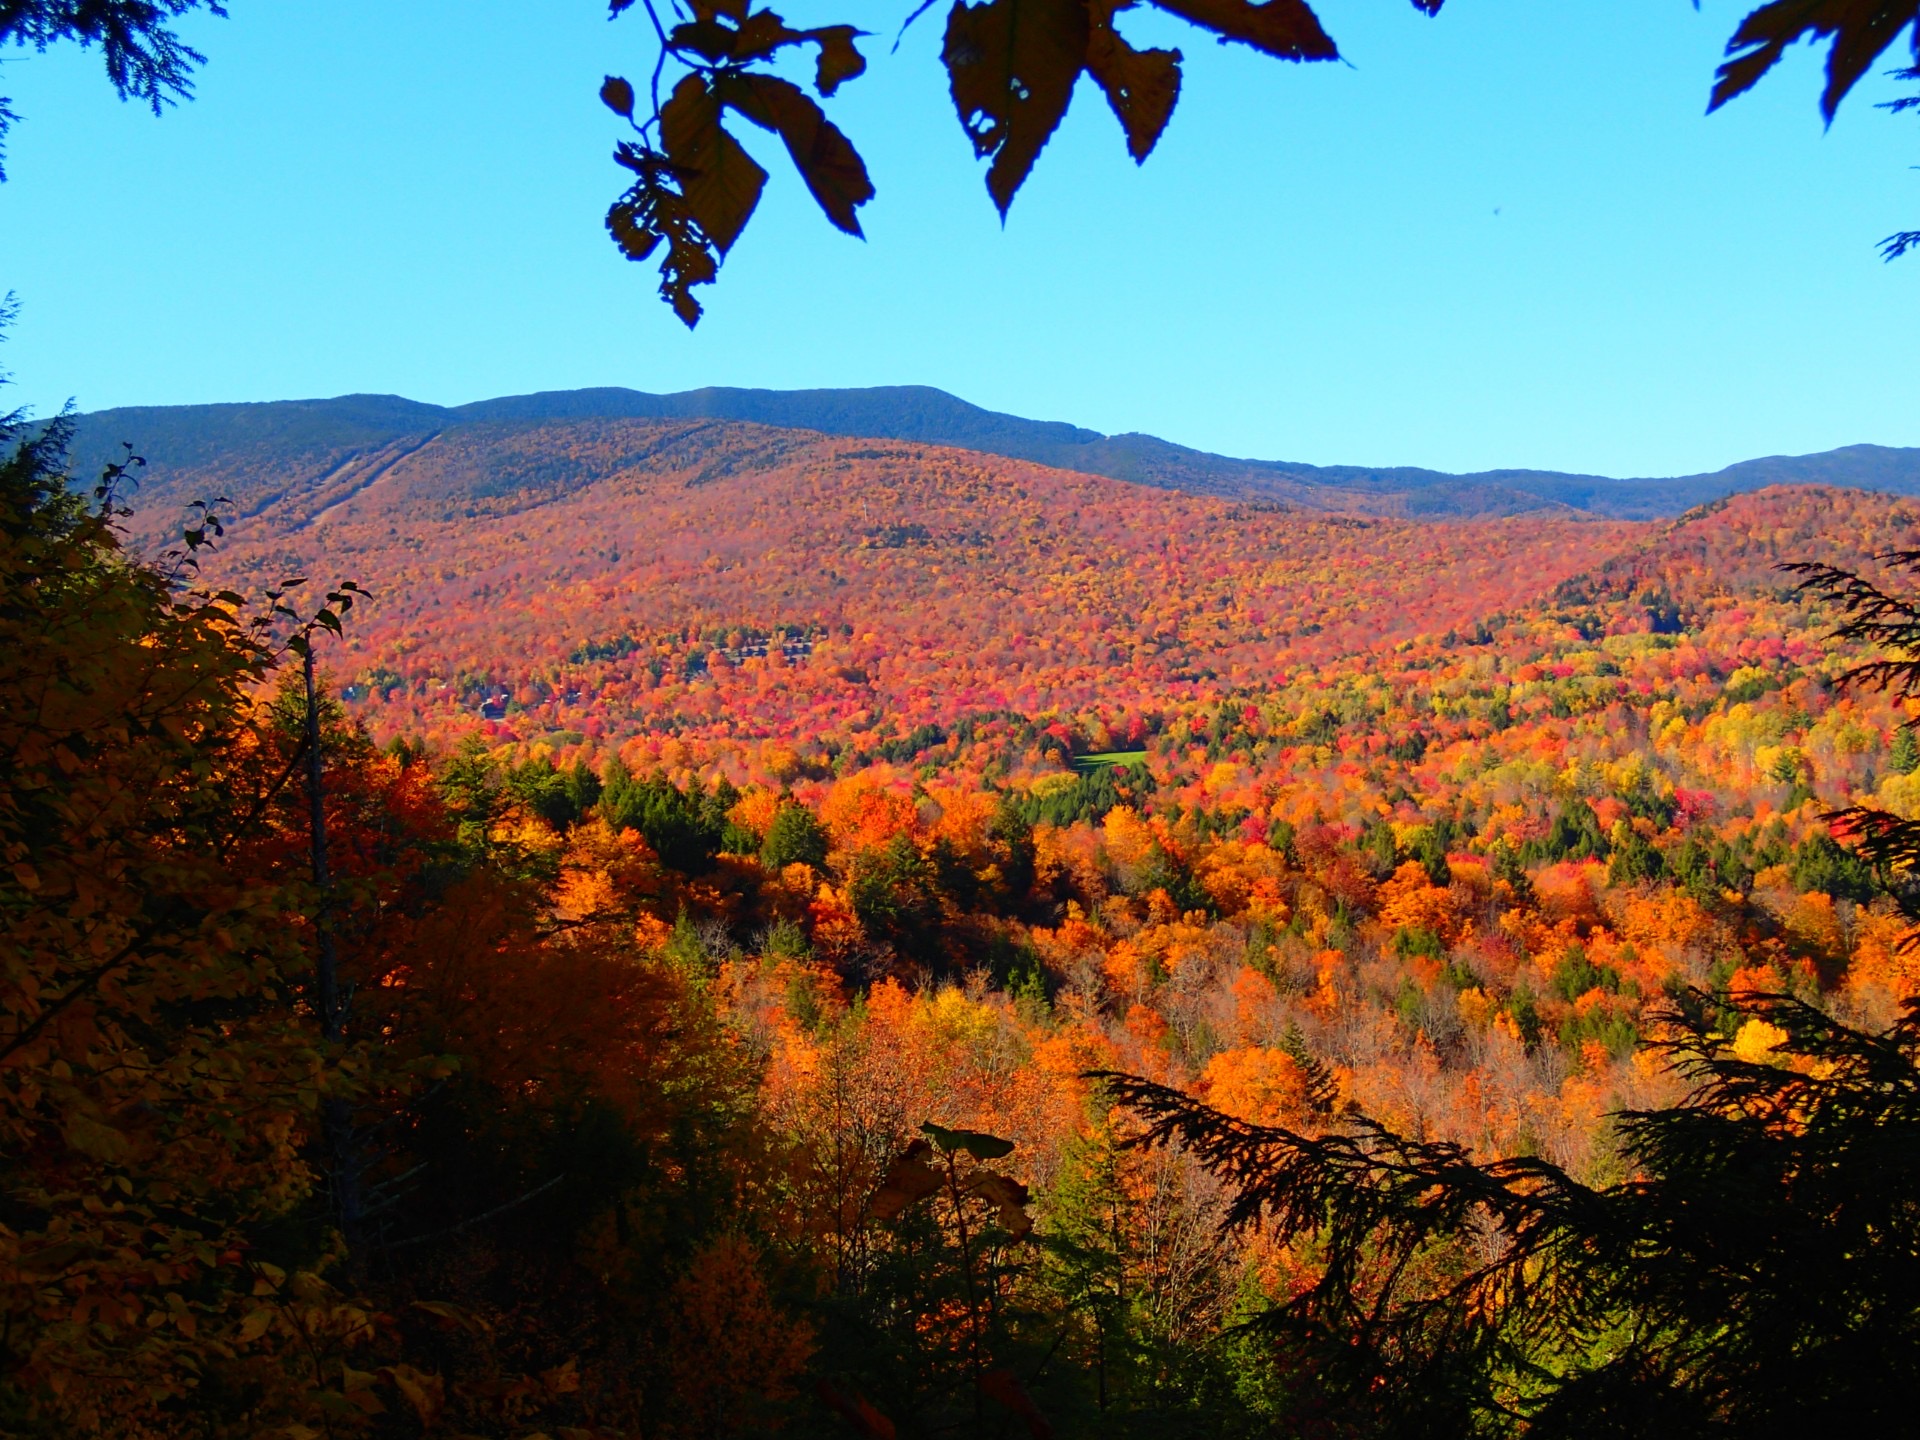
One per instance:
[(155, 1089)]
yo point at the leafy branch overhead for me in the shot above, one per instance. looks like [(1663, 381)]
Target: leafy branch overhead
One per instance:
[(695, 187), (1861, 31), (146, 60), (1012, 66)]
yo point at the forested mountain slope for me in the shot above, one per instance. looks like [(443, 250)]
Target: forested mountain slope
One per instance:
[(717, 811), (601, 578), (624, 567), (195, 446)]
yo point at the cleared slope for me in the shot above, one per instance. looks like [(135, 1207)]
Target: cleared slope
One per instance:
[(231, 449)]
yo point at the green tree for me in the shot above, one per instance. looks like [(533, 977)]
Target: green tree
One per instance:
[(1903, 757), (544, 791), (1821, 864), (475, 788), (683, 831), (583, 787), (1888, 842), (794, 837), (1634, 859), (1012, 835), (891, 891)]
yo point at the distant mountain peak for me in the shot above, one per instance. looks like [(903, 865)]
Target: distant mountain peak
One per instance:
[(300, 432)]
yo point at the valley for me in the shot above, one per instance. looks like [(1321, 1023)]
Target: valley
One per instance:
[(832, 785)]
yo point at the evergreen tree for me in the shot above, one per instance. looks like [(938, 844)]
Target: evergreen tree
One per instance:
[(1903, 757), (1758, 1276), (1888, 842), (891, 890), (683, 829), (794, 837), (1821, 864)]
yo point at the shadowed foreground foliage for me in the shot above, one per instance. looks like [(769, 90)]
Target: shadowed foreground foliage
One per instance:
[(220, 1216), (1758, 1275)]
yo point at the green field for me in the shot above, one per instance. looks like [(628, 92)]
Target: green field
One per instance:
[(1086, 763)]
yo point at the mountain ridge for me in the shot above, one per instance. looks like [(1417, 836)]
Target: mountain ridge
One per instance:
[(302, 433)]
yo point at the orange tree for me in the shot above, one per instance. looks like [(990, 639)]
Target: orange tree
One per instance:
[(478, 1176)]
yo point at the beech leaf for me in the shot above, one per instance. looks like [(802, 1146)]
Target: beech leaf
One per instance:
[(1860, 30), (256, 1323), (762, 33), (707, 38), (839, 60), (1005, 1386), (1141, 86), (976, 1143), (1011, 67), (824, 157), (719, 181), (1009, 1196), (654, 211), (454, 1315), (617, 95), (1285, 29), (52, 1258), (92, 1138), (426, 1393), (908, 1179), (855, 1409)]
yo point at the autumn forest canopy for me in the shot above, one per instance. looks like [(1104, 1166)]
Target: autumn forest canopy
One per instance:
[(760, 932), (594, 925)]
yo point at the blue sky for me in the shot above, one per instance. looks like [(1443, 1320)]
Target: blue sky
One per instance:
[(1506, 236)]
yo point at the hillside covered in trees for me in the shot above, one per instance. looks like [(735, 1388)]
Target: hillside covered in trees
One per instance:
[(195, 451), (671, 981), (607, 916)]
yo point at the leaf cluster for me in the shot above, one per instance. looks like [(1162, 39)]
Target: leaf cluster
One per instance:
[(694, 186), (1858, 32), (1012, 66)]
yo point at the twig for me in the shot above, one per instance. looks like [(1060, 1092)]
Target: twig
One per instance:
[(477, 1219), (659, 64)]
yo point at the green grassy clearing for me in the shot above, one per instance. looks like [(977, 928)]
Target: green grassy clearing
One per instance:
[(1085, 763)]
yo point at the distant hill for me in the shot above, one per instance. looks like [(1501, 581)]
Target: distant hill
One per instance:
[(606, 577), (246, 446), (609, 560)]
